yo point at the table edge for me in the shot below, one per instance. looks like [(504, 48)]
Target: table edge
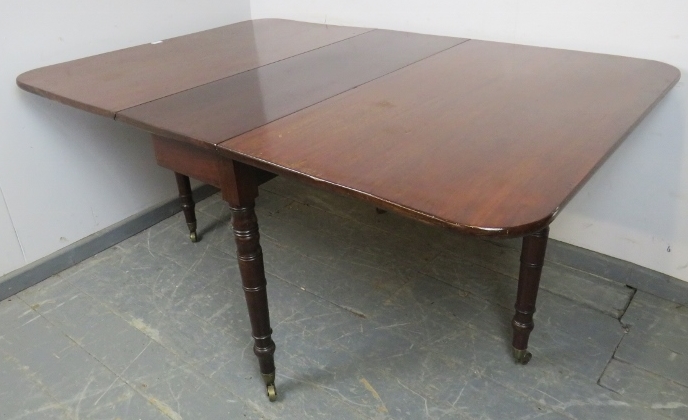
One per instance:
[(497, 232)]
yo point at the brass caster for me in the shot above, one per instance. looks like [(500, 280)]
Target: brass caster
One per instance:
[(193, 235), (522, 357), (272, 392), (269, 379)]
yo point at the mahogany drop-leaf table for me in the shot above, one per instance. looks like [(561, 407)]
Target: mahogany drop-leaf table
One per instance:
[(484, 138)]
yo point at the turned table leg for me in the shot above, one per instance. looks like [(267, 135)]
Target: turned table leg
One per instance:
[(532, 259), (188, 205), (240, 190)]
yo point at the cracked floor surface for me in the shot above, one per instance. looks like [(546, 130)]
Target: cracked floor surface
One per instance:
[(375, 317)]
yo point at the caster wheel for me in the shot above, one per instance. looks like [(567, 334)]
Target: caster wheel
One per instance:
[(193, 237), (522, 357), (272, 392)]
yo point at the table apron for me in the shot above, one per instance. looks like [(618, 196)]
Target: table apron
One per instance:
[(195, 162), (188, 160)]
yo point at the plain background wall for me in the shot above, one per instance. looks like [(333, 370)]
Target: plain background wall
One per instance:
[(65, 174), (636, 207)]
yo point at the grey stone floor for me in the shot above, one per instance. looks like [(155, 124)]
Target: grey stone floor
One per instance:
[(374, 316)]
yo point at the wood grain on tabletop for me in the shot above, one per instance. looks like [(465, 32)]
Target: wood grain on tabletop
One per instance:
[(107, 83), (488, 138), (212, 113)]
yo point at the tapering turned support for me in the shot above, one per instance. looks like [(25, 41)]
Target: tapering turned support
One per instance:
[(532, 259), (188, 205), (240, 189)]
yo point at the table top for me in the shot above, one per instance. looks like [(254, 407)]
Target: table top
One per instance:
[(484, 137), (217, 111), (108, 83)]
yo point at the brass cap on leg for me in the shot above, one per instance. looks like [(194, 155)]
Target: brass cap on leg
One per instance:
[(522, 357), (269, 379)]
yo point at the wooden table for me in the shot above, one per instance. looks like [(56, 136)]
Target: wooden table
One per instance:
[(484, 138)]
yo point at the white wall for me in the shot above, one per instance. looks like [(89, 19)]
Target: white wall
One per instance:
[(635, 207), (65, 174)]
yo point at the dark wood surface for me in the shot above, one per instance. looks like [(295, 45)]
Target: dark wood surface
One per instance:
[(487, 138), (532, 259), (240, 189), (107, 83), (217, 111), (187, 203), (201, 164)]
